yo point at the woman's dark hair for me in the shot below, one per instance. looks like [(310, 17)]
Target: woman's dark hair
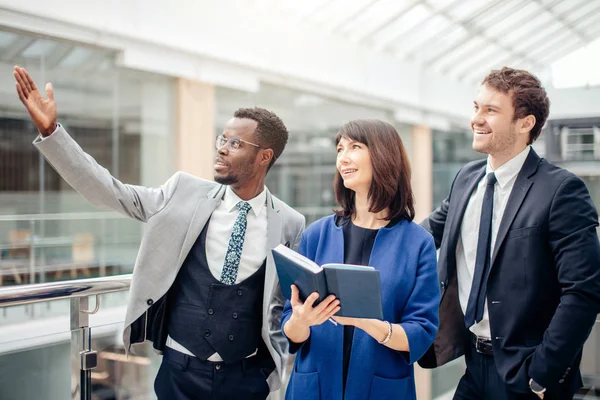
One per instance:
[(390, 188)]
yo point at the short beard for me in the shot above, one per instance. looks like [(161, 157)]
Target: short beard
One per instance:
[(226, 180)]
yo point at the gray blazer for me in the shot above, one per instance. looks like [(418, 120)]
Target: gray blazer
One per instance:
[(175, 213)]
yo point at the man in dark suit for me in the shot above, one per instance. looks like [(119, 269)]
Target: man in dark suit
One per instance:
[(519, 260)]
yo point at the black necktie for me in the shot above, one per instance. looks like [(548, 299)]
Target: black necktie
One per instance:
[(482, 262)]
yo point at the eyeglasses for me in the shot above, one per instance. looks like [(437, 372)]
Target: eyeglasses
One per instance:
[(233, 143)]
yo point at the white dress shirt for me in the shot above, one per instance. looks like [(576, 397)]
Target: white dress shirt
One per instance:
[(466, 250), (219, 231)]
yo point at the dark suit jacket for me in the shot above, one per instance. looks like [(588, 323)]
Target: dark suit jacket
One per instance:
[(543, 291)]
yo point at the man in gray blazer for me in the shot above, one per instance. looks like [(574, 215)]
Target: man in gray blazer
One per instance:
[(205, 291)]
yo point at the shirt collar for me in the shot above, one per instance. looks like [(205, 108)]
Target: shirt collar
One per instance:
[(230, 200), (510, 169)]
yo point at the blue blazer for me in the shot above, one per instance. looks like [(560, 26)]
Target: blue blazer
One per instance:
[(406, 258)]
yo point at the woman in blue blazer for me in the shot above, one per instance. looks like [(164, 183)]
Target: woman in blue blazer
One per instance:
[(366, 358)]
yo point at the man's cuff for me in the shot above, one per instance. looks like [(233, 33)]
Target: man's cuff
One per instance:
[(536, 387), (41, 138)]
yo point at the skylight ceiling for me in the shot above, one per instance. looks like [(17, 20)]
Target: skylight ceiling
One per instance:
[(462, 39)]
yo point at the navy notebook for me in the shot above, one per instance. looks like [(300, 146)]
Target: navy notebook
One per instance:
[(357, 287)]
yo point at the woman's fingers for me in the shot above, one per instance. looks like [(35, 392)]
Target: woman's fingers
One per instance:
[(324, 317), (310, 300), (314, 315), (295, 300), (326, 309), (325, 303), (329, 309)]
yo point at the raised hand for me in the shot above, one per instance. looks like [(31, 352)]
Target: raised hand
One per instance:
[(41, 110)]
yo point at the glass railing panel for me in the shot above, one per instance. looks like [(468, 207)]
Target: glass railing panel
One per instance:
[(590, 366), (445, 378), (35, 362), (56, 247), (118, 376)]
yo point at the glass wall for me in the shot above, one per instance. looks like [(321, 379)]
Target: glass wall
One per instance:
[(451, 151), (122, 118), (303, 175), (48, 232)]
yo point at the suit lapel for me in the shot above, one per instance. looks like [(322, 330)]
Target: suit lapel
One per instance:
[(204, 209), (274, 225), (517, 195)]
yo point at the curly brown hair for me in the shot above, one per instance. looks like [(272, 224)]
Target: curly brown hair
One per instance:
[(528, 95)]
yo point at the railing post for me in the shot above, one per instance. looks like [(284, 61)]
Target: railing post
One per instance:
[(32, 252), (83, 358), (102, 247)]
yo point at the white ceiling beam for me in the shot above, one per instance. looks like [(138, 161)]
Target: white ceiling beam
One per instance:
[(516, 23), (548, 54), (317, 9), (541, 41), (54, 58), (556, 53), (434, 12), (474, 31), (390, 20), (17, 47), (360, 11), (559, 18)]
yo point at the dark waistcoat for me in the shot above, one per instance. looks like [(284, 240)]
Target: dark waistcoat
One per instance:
[(207, 316)]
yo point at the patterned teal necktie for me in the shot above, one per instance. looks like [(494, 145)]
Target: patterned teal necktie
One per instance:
[(236, 243)]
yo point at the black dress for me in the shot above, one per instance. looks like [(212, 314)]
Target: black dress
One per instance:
[(358, 243)]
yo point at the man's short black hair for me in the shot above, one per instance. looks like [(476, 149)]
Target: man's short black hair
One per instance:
[(270, 133)]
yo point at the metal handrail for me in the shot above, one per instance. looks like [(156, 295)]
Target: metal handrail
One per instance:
[(63, 216), (77, 288)]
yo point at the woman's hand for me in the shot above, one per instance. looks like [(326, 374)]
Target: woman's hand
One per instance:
[(304, 315)]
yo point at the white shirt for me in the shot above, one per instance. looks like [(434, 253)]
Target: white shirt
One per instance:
[(466, 250), (254, 250)]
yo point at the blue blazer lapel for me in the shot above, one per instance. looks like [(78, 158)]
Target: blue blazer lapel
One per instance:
[(516, 198)]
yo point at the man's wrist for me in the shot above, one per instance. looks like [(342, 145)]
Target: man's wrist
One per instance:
[(50, 130), (536, 387)]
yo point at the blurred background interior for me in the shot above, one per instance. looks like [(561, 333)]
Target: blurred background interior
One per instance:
[(144, 87)]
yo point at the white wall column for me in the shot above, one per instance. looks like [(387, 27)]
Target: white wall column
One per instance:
[(195, 149)]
